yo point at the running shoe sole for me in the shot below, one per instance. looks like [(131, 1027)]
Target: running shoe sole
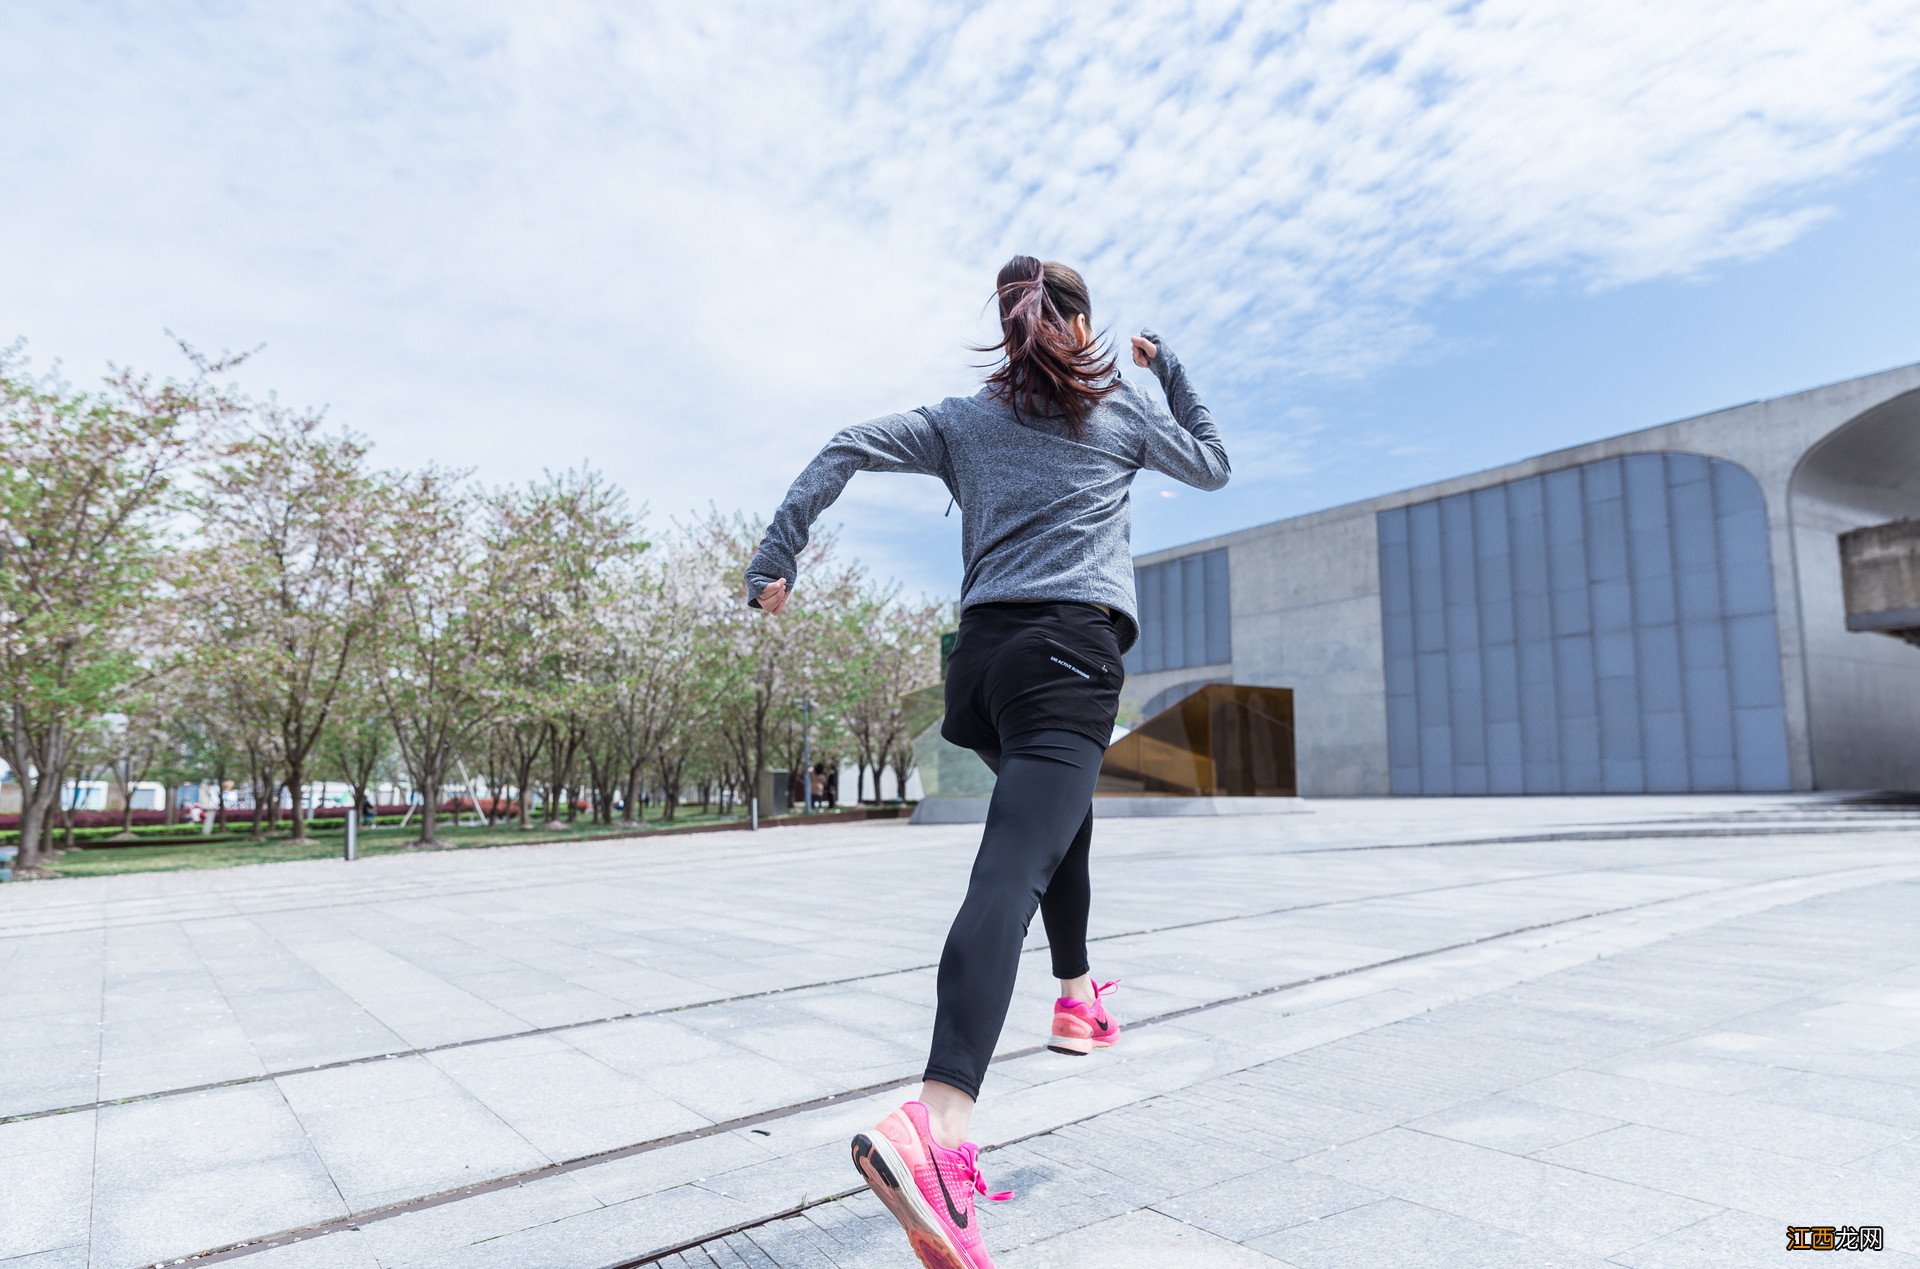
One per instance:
[(876, 1159), (1076, 1045)]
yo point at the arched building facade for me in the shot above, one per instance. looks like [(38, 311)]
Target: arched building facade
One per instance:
[(1662, 611)]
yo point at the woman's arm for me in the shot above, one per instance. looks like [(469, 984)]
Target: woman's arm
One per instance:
[(1184, 444), (893, 442)]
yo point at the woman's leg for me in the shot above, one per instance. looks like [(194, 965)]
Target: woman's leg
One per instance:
[(1063, 910), (1040, 801)]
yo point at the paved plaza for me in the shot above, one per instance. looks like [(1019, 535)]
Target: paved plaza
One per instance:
[(1549, 1032)]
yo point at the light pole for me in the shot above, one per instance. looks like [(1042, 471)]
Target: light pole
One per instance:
[(806, 752)]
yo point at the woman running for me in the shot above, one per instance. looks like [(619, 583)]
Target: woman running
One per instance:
[(1041, 461)]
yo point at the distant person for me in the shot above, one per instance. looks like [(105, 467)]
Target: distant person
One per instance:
[(1040, 461), (833, 788), (366, 812)]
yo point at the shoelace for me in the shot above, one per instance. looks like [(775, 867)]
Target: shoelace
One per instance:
[(970, 1172), (1101, 989)]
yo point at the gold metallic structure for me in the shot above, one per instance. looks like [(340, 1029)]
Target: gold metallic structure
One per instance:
[(1225, 740)]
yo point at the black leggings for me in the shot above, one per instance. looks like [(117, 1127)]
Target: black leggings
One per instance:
[(1033, 853)]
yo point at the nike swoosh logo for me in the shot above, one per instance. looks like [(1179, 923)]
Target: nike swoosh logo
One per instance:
[(952, 1211), (1105, 1025)]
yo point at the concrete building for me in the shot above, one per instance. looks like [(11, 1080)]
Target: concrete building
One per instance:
[(87, 795), (1663, 611)]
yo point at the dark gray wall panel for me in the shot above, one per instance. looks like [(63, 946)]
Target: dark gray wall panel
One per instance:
[(1186, 614), (1603, 628)]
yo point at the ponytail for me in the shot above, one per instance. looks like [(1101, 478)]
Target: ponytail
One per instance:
[(1047, 370)]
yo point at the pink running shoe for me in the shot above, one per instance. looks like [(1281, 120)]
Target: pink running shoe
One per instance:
[(1080, 1027), (928, 1188)]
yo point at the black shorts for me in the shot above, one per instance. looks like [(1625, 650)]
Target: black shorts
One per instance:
[(1018, 668)]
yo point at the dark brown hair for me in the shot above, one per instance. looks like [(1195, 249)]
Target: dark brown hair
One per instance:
[(1047, 370)]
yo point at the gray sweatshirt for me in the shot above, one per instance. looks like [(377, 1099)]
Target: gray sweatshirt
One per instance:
[(1042, 516)]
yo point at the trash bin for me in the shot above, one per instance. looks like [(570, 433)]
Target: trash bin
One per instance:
[(6, 861), (774, 797)]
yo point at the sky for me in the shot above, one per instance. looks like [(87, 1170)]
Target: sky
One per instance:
[(1392, 242)]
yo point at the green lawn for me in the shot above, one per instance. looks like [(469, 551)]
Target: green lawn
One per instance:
[(177, 856)]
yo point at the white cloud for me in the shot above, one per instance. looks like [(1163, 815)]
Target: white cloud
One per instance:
[(688, 241)]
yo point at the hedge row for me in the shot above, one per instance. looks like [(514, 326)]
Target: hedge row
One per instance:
[(145, 819), (93, 819)]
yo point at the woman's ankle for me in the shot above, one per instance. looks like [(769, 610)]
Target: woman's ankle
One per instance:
[(949, 1130), (949, 1113), (1080, 988)]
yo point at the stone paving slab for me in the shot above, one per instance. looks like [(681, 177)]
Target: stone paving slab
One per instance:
[(1707, 968), (1615, 1191)]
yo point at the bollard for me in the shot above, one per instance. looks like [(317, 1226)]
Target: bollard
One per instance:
[(353, 833), (753, 808), (806, 755)]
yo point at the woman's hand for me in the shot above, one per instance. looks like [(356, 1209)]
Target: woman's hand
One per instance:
[(1144, 351), (773, 596)]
